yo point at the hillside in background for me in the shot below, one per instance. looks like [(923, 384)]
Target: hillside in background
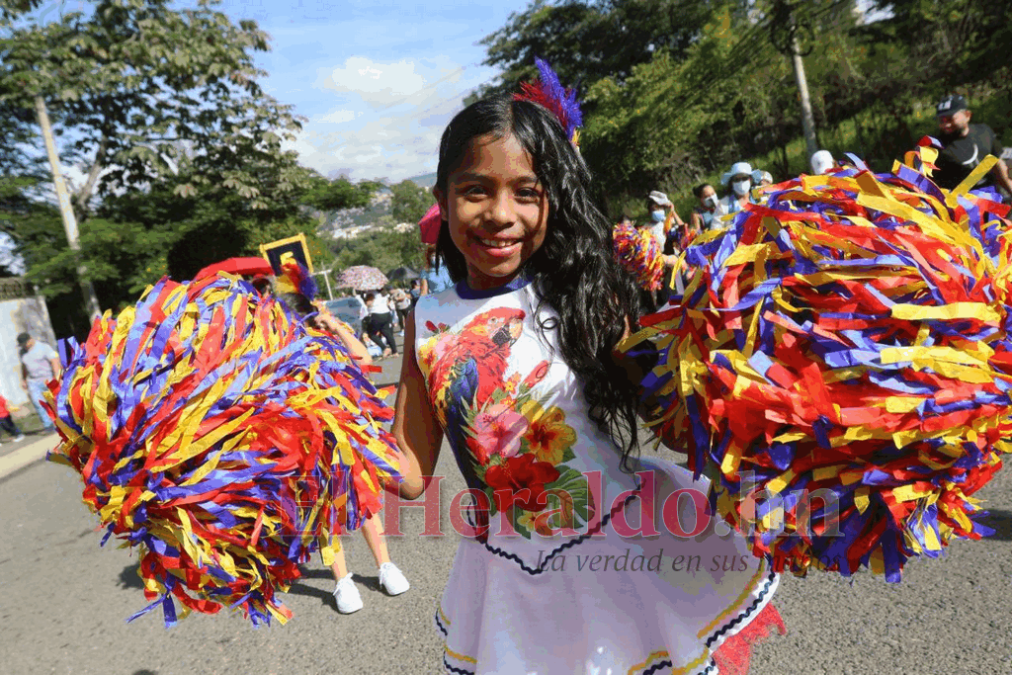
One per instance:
[(426, 180)]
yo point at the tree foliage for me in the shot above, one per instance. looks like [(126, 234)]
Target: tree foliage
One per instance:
[(586, 41), (180, 144), (409, 202), (384, 249), (137, 85), (677, 91)]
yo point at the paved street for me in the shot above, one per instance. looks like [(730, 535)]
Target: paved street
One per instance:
[(64, 601)]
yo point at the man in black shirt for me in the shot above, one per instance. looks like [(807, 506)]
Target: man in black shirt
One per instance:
[(965, 145)]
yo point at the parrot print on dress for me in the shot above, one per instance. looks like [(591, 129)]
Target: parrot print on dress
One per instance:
[(506, 440)]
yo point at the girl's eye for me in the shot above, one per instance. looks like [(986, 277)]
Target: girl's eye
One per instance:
[(472, 190), (529, 194)]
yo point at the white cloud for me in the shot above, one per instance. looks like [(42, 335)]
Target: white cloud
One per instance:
[(390, 118), (378, 84), (337, 117)]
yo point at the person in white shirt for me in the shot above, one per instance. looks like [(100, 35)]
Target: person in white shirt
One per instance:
[(381, 323)]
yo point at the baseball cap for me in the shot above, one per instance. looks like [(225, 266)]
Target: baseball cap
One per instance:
[(23, 339), (659, 198), (951, 104)]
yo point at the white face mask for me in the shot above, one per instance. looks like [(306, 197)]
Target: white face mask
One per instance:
[(710, 202), (658, 216), (741, 187)]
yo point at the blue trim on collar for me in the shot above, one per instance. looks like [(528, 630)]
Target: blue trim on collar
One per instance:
[(514, 284)]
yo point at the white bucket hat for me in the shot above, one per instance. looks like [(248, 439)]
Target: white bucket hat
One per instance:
[(822, 161), (737, 169), (659, 198)]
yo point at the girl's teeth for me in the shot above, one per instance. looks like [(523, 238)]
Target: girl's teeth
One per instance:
[(497, 244)]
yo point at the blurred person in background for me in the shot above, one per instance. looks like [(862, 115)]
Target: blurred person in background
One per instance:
[(739, 179), (702, 216), (39, 364), (435, 277), (964, 146), (381, 323), (7, 422)]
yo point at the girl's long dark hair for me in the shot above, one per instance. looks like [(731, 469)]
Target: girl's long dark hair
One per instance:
[(574, 271)]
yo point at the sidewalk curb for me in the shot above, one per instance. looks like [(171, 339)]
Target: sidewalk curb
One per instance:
[(29, 454)]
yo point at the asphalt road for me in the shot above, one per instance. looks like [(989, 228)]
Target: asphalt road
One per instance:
[(64, 601)]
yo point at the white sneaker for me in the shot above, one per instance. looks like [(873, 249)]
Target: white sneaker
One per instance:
[(392, 580), (19, 438), (347, 595)]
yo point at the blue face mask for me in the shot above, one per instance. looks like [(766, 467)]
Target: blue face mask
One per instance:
[(658, 216)]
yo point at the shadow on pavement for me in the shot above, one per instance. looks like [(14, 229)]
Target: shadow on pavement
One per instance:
[(130, 578), (999, 521), (325, 597)]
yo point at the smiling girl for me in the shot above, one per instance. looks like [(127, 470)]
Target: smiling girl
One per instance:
[(515, 366)]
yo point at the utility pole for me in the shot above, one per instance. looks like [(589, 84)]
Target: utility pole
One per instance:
[(784, 29), (807, 118), (66, 210)]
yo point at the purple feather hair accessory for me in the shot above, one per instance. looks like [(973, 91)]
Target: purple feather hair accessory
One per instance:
[(550, 93)]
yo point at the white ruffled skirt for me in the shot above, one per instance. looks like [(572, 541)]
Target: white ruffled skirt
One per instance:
[(604, 606)]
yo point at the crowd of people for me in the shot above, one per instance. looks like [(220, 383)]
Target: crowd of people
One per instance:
[(962, 147), (383, 311)]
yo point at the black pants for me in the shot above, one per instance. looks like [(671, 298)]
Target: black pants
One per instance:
[(402, 316), (380, 328), (7, 424)]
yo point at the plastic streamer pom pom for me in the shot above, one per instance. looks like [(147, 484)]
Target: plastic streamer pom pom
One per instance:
[(639, 254), (223, 438), (840, 366)]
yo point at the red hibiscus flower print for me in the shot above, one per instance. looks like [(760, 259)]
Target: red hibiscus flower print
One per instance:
[(498, 430), (521, 480)]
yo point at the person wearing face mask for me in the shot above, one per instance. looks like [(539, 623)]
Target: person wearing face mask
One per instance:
[(702, 215), (761, 182), (739, 179), (662, 216), (662, 220)]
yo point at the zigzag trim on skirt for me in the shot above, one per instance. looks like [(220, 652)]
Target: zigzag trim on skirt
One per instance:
[(534, 571), (660, 668), (761, 600)]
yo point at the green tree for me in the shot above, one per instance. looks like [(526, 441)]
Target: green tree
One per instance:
[(587, 41), (409, 202), (384, 249), (340, 193), (179, 141), (137, 84)]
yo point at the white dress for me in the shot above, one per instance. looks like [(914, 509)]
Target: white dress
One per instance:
[(598, 598)]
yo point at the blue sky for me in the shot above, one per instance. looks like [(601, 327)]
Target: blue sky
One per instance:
[(377, 81)]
